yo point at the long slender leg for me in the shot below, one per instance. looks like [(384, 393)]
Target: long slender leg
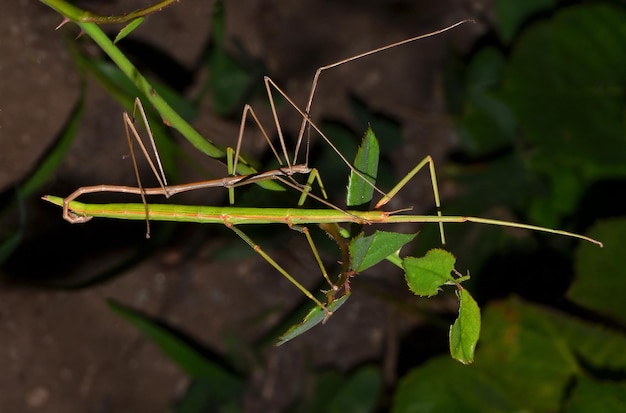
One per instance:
[(291, 168), (433, 179), (280, 269), (318, 259), (359, 56), (130, 130), (233, 160), (269, 83), (232, 164), (248, 110), (306, 114), (314, 175), (130, 126), (160, 173)]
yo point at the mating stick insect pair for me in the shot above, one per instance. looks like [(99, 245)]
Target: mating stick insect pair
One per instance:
[(329, 217)]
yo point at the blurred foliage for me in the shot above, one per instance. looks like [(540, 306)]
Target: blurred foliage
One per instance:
[(540, 115)]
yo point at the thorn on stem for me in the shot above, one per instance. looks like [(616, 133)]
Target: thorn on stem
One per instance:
[(63, 23)]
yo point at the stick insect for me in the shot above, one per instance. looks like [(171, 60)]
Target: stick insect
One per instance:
[(291, 168), (232, 216)]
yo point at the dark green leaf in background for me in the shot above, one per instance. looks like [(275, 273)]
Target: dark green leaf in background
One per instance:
[(199, 398), (536, 350), (228, 79), (442, 385), (487, 123), (600, 283), (512, 14), (557, 102), (597, 396), (530, 358), (359, 394), (527, 355), (565, 82)]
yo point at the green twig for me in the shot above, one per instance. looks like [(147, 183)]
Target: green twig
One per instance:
[(169, 116), (83, 16)]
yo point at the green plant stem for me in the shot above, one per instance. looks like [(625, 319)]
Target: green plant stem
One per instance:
[(83, 16), (168, 115)]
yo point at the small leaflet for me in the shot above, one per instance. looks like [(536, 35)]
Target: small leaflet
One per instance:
[(313, 318), (465, 331), (128, 29), (427, 274)]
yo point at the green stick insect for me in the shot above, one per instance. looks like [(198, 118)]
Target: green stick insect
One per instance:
[(329, 217)]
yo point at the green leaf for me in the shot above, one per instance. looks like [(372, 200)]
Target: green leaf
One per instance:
[(527, 353), (525, 349), (442, 385), (313, 318), (226, 385), (199, 398), (485, 70), (360, 191), (487, 123), (346, 142), (367, 251), (124, 91), (465, 331), (128, 29), (560, 95), (228, 80), (597, 396), (565, 81), (217, 23), (600, 282), (324, 387), (512, 14), (118, 85), (427, 274), (359, 394), (539, 351)]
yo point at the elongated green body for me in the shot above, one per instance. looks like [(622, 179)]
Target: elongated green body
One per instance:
[(230, 216)]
